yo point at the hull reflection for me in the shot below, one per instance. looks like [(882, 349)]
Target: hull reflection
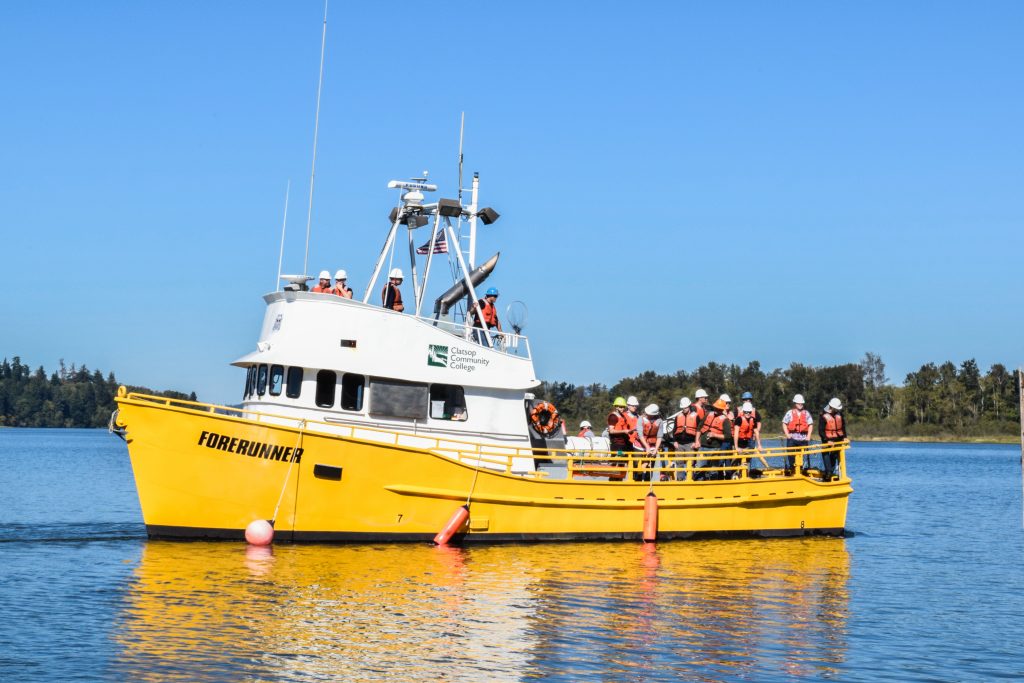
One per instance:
[(712, 610)]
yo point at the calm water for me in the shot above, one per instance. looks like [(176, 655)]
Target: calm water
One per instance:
[(930, 587)]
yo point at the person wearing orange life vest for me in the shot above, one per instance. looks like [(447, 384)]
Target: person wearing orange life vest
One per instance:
[(390, 296), (325, 283), (700, 404), (715, 434), (618, 427), (796, 425), (586, 432), (340, 288), (831, 429), (632, 416), (649, 435), (485, 313), (748, 427)]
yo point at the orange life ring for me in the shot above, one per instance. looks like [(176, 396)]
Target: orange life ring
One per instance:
[(544, 418)]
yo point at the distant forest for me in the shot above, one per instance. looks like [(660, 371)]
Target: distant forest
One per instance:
[(70, 397), (937, 401)]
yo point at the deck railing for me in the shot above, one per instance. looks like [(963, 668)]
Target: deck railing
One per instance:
[(666, 466)]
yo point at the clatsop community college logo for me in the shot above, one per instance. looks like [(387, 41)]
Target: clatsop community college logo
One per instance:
[(437, 355)]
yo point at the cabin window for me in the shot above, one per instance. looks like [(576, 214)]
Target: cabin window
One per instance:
[(261, 380), (294, 387), (326, 382), (352, 391), (447, 402), (391, 398), (276, 379), (250, 381)]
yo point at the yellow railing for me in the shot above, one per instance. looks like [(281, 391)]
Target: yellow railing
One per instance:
[(686, 465)]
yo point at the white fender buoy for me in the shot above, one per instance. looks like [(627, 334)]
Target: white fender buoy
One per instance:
[(259, 532)]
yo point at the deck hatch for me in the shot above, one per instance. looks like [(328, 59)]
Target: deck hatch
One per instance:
[(327, 472)]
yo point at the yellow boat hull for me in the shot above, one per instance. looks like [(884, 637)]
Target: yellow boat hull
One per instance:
[(207, 472)]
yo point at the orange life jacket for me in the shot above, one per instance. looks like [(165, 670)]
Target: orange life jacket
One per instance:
[(631, 421), (583, 432), (798, 422), (322, 290), (650, 429), (833, 425), (384, 296), (342, 291), (714, 426), (617, 422), (489, 313), (687, 424), (701, 411), (746, 426)]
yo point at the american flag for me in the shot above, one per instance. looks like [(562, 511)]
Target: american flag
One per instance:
[(440, 244)]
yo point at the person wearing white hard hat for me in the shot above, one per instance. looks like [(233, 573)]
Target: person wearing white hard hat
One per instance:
[(728, 409), (632, 415), (648, 430), (391, 297), (796, 425), (325, 283), (700, 403), (748, 431), (586, 430), (340, 288), (831, 429), (680, 432)]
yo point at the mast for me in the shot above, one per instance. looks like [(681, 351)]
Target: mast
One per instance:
[(316, 132), (284, 225)]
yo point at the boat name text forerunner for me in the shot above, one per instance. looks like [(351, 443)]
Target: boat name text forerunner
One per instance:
[(254, 449)]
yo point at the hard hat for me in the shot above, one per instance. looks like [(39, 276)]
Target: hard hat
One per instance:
[(632, 401), (324, 275), (684, 402), (835, 404), (491, 291), (700, 394), (720, 404), (725, 397), (747, 395), (396, 273), (799, 398), (619, 401), (652, 409), (584, 425), (341, 275), (747, 407)]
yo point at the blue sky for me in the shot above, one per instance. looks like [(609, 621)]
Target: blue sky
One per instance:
[(678, 182)]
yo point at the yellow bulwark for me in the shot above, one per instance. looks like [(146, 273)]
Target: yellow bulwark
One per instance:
[(207, 471)]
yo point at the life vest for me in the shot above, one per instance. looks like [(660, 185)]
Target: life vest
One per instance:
[(398, 297), (631, 421), (583, 432), (489, 313), (798, 422), (687, 424), (650, 428), (341, 291), (833, 425), (701, 411), (714, 426), (617, 421), (746, 426), (322, 290)]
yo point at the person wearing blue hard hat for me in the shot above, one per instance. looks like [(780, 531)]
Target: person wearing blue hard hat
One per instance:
[(485, 312)]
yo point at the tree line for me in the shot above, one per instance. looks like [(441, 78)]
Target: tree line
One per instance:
[(70, 397), (936, 401)]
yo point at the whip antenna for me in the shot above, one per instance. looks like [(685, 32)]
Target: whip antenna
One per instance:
[(316, 130), (462, 129), (284, 225)]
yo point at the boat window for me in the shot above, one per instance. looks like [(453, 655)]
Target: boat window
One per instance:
[(326, 382), (352, 391), (294, 387), (391, 398), (250, 381), (276, 379), (261, 380), (447, 402)]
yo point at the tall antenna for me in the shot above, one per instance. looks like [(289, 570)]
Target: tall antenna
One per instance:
[(462, 129), (284, 225), (316, 131)]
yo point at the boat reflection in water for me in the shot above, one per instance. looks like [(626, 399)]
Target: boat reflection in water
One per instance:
[(709, 610)]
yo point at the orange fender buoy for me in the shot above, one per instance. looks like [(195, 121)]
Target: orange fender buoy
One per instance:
[(452, 527), (651, 518)]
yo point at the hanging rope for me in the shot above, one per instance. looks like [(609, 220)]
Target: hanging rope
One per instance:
[(288, 474)]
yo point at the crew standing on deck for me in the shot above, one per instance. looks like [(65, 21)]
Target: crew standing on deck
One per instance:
[(796, 425), (340, 288), (687, 426), (325, 283), (715, 432), (700, 404), (832, 429), (748, 427), (486, 313), (648, 432), (632, 416), (390, 296)]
